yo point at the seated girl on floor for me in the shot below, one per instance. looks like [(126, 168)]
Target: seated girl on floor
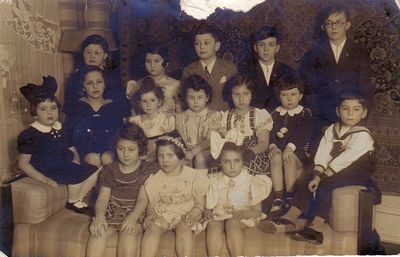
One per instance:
[(46, 155)]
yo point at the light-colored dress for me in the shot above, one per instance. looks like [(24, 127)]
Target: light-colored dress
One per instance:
[(159, 125), (193, 127), (170, 197), (227, 194), (250, 125)]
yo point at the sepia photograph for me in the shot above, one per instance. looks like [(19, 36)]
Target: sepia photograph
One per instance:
[(174, 128)]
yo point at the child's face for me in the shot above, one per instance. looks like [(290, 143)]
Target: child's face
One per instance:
[(241, 97), (196, 100), (47, 113), (206, 47), (153, 63), (231, 163), (150, 103), (291, 98), (94, 85), (167, 158), (336, 26), (127, 152), (351, 112), (94, 55), (266, 49)]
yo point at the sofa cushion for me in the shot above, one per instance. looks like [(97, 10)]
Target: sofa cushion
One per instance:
[(343, 216), (35, 201)]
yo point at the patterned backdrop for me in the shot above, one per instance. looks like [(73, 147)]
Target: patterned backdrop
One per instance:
[(375, 25)]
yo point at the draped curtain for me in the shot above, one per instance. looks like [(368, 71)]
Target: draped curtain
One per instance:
[(29, 36)]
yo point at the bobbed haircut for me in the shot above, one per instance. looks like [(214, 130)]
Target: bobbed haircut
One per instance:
[(245, 153), (96, 40), (196, 83), (156, 48), (237, 80), (353, 94), (41, 99), (177, 150), (266, 32), (289, 82), (132, 132), (206, 28), (146, 85)]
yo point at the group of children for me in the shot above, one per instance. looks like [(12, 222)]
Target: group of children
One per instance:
[(207, 152)]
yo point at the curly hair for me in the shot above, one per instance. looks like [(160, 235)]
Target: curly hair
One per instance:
[(196, 83), (132, 132), (147, 85)]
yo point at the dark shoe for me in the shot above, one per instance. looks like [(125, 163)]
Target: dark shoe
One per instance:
[(288, 202), (308, 234), (277, 205), (277, 225), (89, 211)]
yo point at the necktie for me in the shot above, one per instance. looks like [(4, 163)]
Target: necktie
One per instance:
[(267, 77), (337, 54), (207, 72)]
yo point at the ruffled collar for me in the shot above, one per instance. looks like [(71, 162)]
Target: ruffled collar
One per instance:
[(237, 179), (200, 114), (46, 129), (282, 111)]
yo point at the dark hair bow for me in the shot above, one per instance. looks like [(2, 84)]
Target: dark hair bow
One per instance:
[(47, 89)]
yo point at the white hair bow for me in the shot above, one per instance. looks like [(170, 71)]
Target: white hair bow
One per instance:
[(217, 142)]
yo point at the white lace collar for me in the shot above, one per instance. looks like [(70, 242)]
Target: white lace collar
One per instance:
[(46, 129), (282, 111)]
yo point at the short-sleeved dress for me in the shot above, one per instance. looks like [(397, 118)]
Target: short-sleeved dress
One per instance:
[(50, 154), (124, 190), (159, 125), (227, 194), (193, 127), (250, 125), (91, 131), (171, 197)]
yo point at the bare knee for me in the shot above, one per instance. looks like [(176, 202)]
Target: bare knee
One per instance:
[(93, 158), (107, 157), (276, 160)]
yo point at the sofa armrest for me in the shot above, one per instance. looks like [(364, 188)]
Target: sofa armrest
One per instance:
[(35, 201)]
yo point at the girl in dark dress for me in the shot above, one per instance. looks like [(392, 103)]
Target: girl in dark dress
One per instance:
[(45, 153), (93, 119)]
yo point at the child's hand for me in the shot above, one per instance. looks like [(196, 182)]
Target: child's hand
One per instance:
[(239, 214), (313, 184), (273, 152), (189, 219), (129, 224), (288, 154), (149, 221), (50, 182), (207, 215), (98, 226)]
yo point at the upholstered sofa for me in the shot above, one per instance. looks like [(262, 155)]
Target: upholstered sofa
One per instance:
[(44, 228)]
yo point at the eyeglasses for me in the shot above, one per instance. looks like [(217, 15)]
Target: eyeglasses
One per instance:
[(338, 24)]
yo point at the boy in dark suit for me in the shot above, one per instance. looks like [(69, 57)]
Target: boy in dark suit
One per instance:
[(213, 69), (267, 70), (332, 66)]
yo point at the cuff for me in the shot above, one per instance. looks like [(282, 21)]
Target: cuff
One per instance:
[(292, 146), (319, 168), (329, 172)]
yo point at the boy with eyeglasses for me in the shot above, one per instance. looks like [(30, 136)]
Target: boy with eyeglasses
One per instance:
[(267, 70), (332, 66)]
